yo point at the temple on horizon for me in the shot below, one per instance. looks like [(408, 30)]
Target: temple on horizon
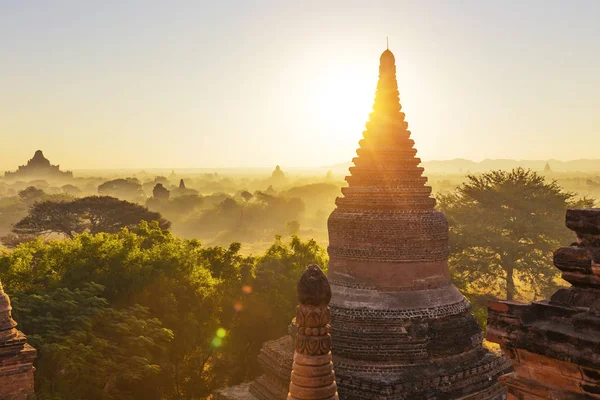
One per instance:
[(38, 167)]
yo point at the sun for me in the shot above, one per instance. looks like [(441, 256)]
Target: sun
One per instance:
[(341, 103)]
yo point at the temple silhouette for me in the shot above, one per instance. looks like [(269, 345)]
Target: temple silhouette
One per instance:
[(38, 167)]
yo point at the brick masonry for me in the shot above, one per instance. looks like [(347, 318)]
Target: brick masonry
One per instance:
[(16, 357), (554, 345), (400, 329)]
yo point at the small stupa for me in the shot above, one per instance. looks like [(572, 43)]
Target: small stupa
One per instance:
[(160, 192), (278, 176)]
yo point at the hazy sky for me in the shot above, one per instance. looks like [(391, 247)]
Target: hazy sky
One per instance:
[(141, 84)]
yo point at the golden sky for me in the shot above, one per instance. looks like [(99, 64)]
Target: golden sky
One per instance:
[(156, 84)]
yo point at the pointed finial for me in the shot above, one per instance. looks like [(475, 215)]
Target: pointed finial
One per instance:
[(387, 42)]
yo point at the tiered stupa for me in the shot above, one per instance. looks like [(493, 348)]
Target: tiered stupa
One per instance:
[(400, 329), (38, 167), (554, 344), (16, 357)]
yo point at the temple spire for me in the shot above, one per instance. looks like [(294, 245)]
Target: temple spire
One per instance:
[(386, 172), (399, 326)]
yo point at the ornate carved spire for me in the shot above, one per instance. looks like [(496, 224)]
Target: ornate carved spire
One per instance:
[(312, 371)]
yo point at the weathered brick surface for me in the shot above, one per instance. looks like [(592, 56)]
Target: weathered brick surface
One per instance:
[(16, 357), (400, 329), (554, 345)]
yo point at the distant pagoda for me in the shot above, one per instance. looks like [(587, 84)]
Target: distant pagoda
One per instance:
[(400, 329), (38, 167)]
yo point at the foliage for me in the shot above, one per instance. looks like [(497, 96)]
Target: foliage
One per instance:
[(48, 217), (88, 350), (230, 220), (246, 195), (31, 194), (504, 227), (92, 214), (147, 314), (127, 189), (267, 306)]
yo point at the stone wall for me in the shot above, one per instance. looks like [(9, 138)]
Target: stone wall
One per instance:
[(554, 345)]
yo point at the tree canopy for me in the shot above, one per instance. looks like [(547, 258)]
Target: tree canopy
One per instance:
[(504, 226), (92, 214), (123, 188), (143, 314)]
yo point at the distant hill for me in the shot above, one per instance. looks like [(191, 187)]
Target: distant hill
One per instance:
[(463, 166)]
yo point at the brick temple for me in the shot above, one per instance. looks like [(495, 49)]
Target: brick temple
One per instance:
[(400, 329), (16, 357), (38, 167), (554, 344)]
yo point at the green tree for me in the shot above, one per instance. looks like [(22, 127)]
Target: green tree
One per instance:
[(127, 189), (266, 306), (219, 305), (246, 195), (92, 214), (31, 194), (46, 217), (503, 229), (107, 214), (88, 350)]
